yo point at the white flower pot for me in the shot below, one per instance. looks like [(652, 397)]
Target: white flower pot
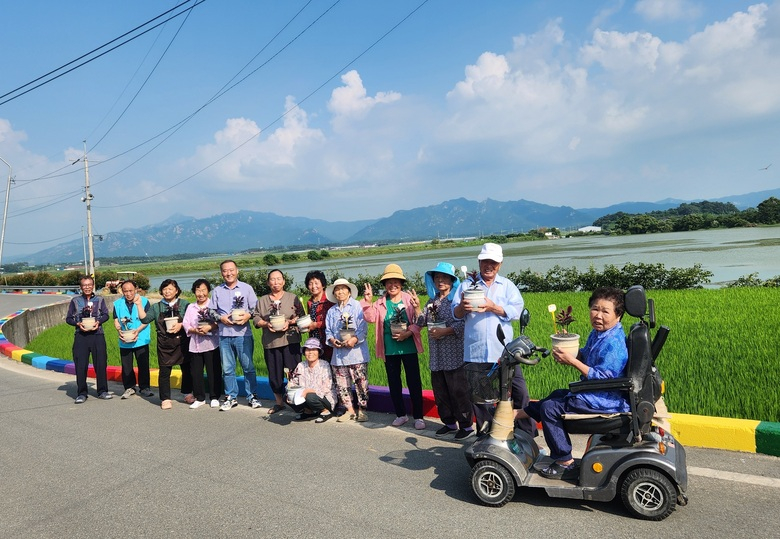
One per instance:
[(569, 342), (304, 322), (475, 297), (170, 322), (276, 321), (89, 323), (235, 314), (397, 327)]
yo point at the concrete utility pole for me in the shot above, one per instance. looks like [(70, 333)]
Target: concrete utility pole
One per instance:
[(88, 199), (5, 210)]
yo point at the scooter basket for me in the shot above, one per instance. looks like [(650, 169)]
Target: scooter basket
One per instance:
[(483, 382)]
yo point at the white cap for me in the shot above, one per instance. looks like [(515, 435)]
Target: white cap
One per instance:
[(491, 251)]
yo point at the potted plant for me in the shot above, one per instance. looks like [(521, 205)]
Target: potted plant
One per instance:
[(562, 338), (431, 312), (205, 318), (88, 321), (238, 307), (304, 322), (124, 329), (474, 294), (346, 333), (171, 319), (276, 319), (397, 323)]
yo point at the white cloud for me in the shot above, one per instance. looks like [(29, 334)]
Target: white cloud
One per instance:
[(239, 154), (351, 101), (667, 10)]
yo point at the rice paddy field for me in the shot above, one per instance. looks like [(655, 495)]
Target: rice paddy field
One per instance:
[(721, 357)]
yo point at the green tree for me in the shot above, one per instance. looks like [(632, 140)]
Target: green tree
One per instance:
[(769, 211)]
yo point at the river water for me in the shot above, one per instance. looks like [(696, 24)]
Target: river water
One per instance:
[(727, 253)]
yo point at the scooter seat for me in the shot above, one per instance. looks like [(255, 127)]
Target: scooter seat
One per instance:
[(597, 423)]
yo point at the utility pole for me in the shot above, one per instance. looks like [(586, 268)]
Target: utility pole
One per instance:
[(88, 199), (5, 210), (84, 245)]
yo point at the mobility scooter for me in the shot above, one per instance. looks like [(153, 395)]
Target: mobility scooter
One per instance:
[(626, 454)]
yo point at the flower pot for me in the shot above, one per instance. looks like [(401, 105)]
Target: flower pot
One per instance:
[(293, 395), (440, 325), (346, 334), (127, 335), (475, 297), (397, 327), (276, 321), (235, 314), (89, 323), (170, 322), (569, 342), (304, 322)]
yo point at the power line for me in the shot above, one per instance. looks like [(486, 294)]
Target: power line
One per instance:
[(281, 116), (47, 81)]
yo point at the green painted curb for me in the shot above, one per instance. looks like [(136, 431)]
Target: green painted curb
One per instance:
[(768, 438)]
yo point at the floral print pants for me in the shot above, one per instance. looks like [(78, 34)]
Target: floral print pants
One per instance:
[(346, 376)]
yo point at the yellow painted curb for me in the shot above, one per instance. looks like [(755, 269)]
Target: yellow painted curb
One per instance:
[(715, 432), (17, 354)]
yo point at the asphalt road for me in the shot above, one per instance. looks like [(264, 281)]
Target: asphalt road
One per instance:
[(124, 468)]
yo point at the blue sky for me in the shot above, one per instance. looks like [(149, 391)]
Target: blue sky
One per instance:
[(352, 109)]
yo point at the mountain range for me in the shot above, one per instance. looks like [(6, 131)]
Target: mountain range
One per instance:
[(247, 230)]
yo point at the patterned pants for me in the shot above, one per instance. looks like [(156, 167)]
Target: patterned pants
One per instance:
[(346, 376)]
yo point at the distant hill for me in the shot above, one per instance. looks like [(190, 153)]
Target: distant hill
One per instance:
[(462, 217), (224, 233), (245, 230)]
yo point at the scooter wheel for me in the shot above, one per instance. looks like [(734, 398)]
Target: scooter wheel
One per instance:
[(492, 483), (648, 494)]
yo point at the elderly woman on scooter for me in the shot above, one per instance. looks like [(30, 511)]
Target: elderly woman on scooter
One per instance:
[(604, 356)]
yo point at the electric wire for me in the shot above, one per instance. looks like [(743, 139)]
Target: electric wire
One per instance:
[(85, 62), (278, 118)]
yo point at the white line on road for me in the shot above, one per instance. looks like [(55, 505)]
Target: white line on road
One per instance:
[(734, 476)]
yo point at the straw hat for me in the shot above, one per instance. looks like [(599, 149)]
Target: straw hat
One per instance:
[(393, 271), (340, 282)]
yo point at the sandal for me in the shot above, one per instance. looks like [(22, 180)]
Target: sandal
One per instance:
[(275, 408), (558, 471), (322, 418)]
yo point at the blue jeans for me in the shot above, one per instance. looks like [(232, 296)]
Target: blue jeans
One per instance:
[(550, 412), (242, 347)]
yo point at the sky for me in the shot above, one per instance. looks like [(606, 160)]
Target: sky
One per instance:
[(347, 110)]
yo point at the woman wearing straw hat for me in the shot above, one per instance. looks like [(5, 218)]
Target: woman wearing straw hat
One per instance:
[(398, 349), (445, 349), (350, 350)]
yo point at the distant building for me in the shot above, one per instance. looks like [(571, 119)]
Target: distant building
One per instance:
[(589, 229)]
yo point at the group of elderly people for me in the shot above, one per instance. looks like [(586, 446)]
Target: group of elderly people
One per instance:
[(332, 379)]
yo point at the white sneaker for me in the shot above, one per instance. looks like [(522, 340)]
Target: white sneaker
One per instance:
[(214, 403), (197, 404), (129, 392)]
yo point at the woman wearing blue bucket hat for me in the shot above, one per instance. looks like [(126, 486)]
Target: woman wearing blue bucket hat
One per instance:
[(445, 348)]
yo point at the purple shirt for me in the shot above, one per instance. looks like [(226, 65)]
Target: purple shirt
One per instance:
[(222, 301)]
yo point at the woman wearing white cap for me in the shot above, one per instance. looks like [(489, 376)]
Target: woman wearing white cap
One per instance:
[(350, 352), (314, 379), (398, 350)]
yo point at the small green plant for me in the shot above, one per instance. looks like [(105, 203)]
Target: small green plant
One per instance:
[(398, 316), (431, 311), (563, 319)]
